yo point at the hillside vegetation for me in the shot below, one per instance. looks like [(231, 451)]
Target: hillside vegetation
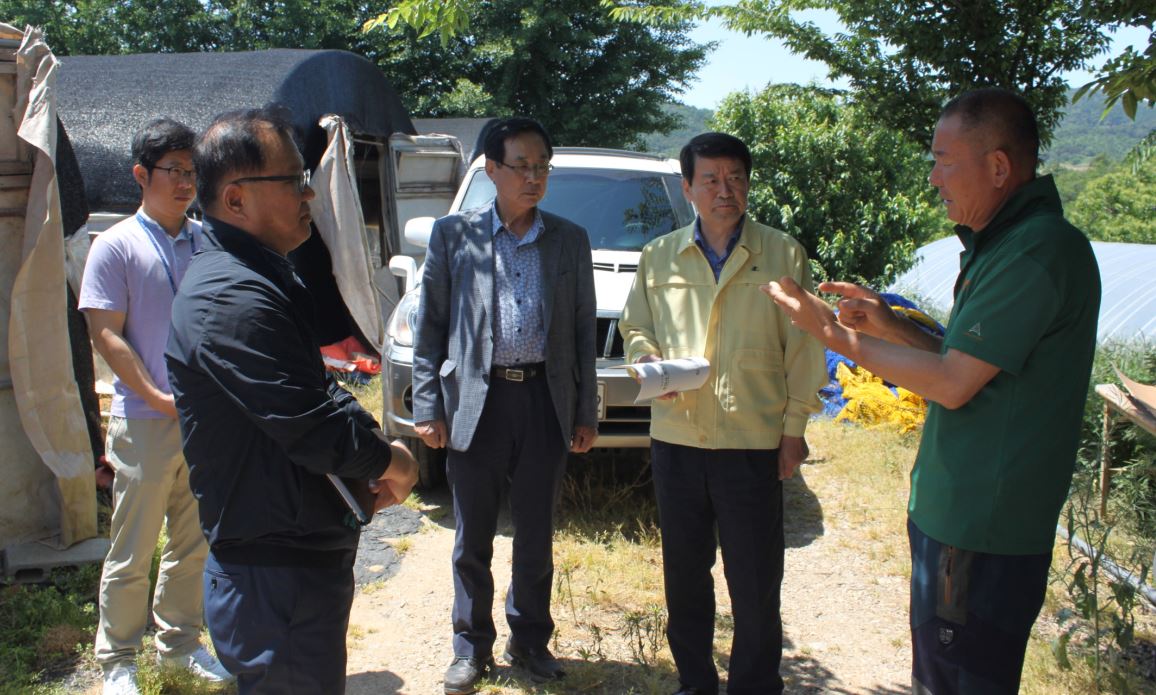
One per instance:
[(1079, 139)]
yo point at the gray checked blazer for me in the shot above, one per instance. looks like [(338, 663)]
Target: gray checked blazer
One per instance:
[(454, 342)]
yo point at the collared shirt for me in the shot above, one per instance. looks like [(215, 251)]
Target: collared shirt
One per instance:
[(992, 475), (716, 261), (519, 325), (262, 420), (765, 374), (133, 268)]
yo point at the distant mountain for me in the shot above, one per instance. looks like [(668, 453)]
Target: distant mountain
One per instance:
[(1082, 136), (694, 121), (1079, 139)]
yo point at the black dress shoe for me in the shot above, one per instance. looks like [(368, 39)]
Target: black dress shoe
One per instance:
[(464, 673), (537, 660)]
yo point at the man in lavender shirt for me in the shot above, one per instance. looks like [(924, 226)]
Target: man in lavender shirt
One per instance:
[(130, 278)]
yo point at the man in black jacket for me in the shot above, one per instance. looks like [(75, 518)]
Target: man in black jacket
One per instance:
[(263, 424)]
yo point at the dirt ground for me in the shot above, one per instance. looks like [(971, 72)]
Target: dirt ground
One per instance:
[(844, 619)]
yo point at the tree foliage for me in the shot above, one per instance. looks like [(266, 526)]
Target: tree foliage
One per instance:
[(1120, 205), (854, 192), (1129, 78), (591, 80), (904, 58), (115, 26)]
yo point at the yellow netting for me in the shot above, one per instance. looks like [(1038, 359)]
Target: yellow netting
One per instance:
[(872, 404)]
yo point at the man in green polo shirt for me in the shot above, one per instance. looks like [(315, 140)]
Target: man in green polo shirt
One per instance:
[(1007, 385)]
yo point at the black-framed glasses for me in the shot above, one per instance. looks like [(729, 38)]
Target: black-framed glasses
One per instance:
[(302, 179), (526, 171), (177, 174)]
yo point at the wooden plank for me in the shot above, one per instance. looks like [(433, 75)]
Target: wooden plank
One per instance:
[(1117, 402), (1123, 404)]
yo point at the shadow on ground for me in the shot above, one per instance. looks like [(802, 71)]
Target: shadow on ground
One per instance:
[(377, 682), (806, 674), (597, 677), (802, 513)]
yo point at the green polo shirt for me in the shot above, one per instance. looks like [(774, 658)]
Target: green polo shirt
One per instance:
[(992, 475)]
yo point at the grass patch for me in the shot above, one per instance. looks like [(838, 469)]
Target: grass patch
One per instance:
[(46, 626), (369, 395), (401, 546)]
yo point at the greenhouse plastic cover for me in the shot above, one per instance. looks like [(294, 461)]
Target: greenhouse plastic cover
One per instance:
[(1127, 273)]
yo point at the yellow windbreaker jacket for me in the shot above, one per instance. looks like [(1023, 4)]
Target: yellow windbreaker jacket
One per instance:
[(765, 373)]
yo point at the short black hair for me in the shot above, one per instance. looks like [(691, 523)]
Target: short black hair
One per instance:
[(711, 146), (1004, 116), (499, 131), (232, 144), (157, 138)]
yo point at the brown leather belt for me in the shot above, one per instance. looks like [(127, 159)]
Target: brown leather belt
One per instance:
[(520, 372)]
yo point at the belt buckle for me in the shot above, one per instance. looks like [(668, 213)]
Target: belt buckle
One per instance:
[(515, 375)]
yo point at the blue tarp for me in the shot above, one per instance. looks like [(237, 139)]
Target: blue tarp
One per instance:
[(832, 393)]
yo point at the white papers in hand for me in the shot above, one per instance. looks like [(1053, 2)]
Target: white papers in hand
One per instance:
[(664, 376)]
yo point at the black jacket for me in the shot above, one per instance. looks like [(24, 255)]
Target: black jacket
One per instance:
[(262, 422)]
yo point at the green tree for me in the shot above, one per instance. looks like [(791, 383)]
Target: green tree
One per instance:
[(854, 192), (589, 79), (102, 27), (903, 58), (253, 25), (1119, 206), (1071, 180), (1129, 78)]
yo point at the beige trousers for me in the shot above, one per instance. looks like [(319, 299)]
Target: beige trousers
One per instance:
[(151, 488)]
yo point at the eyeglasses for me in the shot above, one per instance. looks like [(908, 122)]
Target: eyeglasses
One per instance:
[(526, 171), (302, 179), (177, 174)]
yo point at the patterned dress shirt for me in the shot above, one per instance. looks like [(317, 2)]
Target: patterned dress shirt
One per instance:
[(519, 326)]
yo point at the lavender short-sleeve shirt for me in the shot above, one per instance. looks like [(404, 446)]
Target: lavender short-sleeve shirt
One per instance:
[(134, 268)]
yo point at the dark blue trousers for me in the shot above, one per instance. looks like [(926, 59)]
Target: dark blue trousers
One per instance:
[(279, 629), (736, 496), (971, 616), (518, 448)]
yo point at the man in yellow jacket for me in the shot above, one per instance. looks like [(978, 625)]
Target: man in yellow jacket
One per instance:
[(719, 454)]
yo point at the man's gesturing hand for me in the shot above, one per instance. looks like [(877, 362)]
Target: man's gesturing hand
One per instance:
[(397, 482), (807, 311), (862, 309), (433, 433)]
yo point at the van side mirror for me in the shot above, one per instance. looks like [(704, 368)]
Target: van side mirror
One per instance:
[(405, 268), (418, 230)]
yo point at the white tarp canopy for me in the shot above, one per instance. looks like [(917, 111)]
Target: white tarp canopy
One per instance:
[(1127, 273), (337, 214), (46, 461)]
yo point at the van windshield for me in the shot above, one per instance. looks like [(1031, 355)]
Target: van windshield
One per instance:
[(621, 210)]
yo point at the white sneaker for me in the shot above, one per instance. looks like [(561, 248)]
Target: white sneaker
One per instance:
[(201, 664), (121, 680)]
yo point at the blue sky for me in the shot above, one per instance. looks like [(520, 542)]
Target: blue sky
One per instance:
[(742, 62)]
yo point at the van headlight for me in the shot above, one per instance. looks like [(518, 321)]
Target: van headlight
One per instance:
[(404, 318)]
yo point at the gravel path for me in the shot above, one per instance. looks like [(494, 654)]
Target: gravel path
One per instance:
[(844, 620)]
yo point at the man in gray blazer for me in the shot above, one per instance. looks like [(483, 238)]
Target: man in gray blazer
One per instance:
[(503, 374)]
